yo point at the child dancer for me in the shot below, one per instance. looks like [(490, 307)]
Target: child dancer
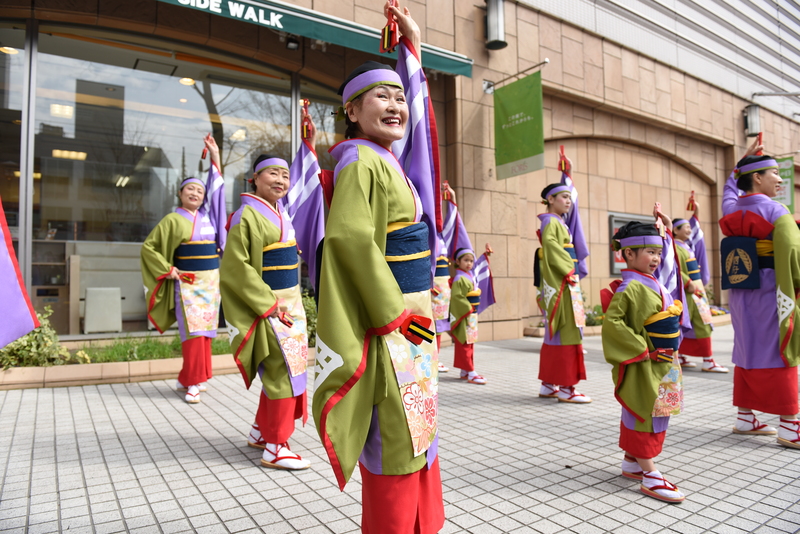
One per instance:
[(641, 331), (695, 274), (464, 300), (561, 364)]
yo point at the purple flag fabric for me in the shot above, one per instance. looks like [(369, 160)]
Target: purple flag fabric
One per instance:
[(482, 274), (418, 151), (214, 205), (304, 206), (697, 243), (454, 232), (668, 273), (19, 315), (573, 220)]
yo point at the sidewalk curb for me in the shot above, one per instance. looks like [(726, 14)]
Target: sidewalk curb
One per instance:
[(104, 373)]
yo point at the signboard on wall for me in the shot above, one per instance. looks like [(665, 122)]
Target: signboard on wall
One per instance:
[(615, 222), (518, 128), (786, 192)]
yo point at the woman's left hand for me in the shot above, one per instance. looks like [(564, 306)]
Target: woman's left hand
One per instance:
[(213, 149), (312, 137), (405, 24)]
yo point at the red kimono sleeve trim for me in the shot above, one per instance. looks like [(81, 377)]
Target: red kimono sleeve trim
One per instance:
[(346, 387), (643, 356), (311, 148), (785, 342), (266, 314)]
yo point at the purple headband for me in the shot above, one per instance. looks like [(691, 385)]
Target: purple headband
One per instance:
[(466, 251), (367, 80), (557, 190), (271, 162), (756, 167), (191, 180), (641, 241), (679, 222)]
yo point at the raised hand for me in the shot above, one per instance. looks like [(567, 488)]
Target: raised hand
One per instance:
[(407, 26)]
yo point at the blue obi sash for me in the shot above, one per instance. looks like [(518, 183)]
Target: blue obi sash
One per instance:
[(474, 298), (742, 257), (570, 248), (693, 269), (442, 266), (280, 265), (195, 256), (408, 256), (664, 330)]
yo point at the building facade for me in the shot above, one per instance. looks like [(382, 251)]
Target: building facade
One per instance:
[(104, 104)]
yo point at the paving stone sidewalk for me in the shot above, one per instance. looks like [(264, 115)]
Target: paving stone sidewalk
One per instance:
[(135, 458)]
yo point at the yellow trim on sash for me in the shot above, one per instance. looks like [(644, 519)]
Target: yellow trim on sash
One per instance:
[(281, 267), (474, 293), (569, 245), (279, 244), (765, 247), (409, 257), (398, 226), (440, 258), (208, 242), (676, 308), (197, 257), (664, 336)]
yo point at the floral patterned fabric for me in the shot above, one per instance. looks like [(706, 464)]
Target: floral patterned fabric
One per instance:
[(441, 301), (292, 339), (201, 302), (670, 393)]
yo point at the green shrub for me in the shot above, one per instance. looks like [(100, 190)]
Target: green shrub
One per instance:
[(311, 318), (38, 348), (594, 316)]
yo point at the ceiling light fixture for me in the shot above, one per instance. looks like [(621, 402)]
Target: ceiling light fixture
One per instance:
[(9, 50), (62, 110), (292, 43), (69, 154), (186, 81), (182, 100)]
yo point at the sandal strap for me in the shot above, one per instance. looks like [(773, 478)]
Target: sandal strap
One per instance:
[(277, 454), (667, 485)]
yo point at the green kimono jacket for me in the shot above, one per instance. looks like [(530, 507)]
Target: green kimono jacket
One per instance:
[(462, 318), (249, 301), (626, 346), (157, 259), (355, 390), (556, 266)]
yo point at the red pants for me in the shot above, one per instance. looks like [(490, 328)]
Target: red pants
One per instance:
[(275, 417), (561, 365), (463, 355), (766, 390), (696, 347), (642, 445), (402, 504), (196, 361)]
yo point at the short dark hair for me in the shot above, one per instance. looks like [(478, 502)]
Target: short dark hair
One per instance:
[(745, 181), (353, 129)]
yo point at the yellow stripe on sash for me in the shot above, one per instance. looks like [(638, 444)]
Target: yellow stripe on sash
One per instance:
[(443, 258), (569, 245), (280, 244), (281, 267), (676, 308), (765, 247), (197, 257), (398, 226), (409, 257), (664, 336), (421, 332), (474, 293), (198, 242)]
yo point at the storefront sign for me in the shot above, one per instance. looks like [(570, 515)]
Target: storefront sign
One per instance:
[(295, 20), (519, 133), (786, 192)]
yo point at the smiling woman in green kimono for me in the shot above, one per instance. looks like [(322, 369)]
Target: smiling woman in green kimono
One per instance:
[(264, 306), (375, 398)]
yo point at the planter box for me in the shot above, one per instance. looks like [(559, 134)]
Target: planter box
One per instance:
[(104, 373)]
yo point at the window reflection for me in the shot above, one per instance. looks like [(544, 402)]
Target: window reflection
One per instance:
[(323, 104), (12, 77)]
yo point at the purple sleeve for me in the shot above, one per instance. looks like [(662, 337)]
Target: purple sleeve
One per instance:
[(697, 242), (730, 195), (482, 273), (573, 222), (214, 204)]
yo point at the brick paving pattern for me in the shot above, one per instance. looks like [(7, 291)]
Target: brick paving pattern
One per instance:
[(135, 458)]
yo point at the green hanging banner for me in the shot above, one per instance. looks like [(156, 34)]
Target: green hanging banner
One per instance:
[(786, 194), (518, 128)]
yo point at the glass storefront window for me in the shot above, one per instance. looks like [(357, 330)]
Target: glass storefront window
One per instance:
[(118, 126), (12, 79)]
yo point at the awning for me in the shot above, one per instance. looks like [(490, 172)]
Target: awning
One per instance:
[(314, 25)]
